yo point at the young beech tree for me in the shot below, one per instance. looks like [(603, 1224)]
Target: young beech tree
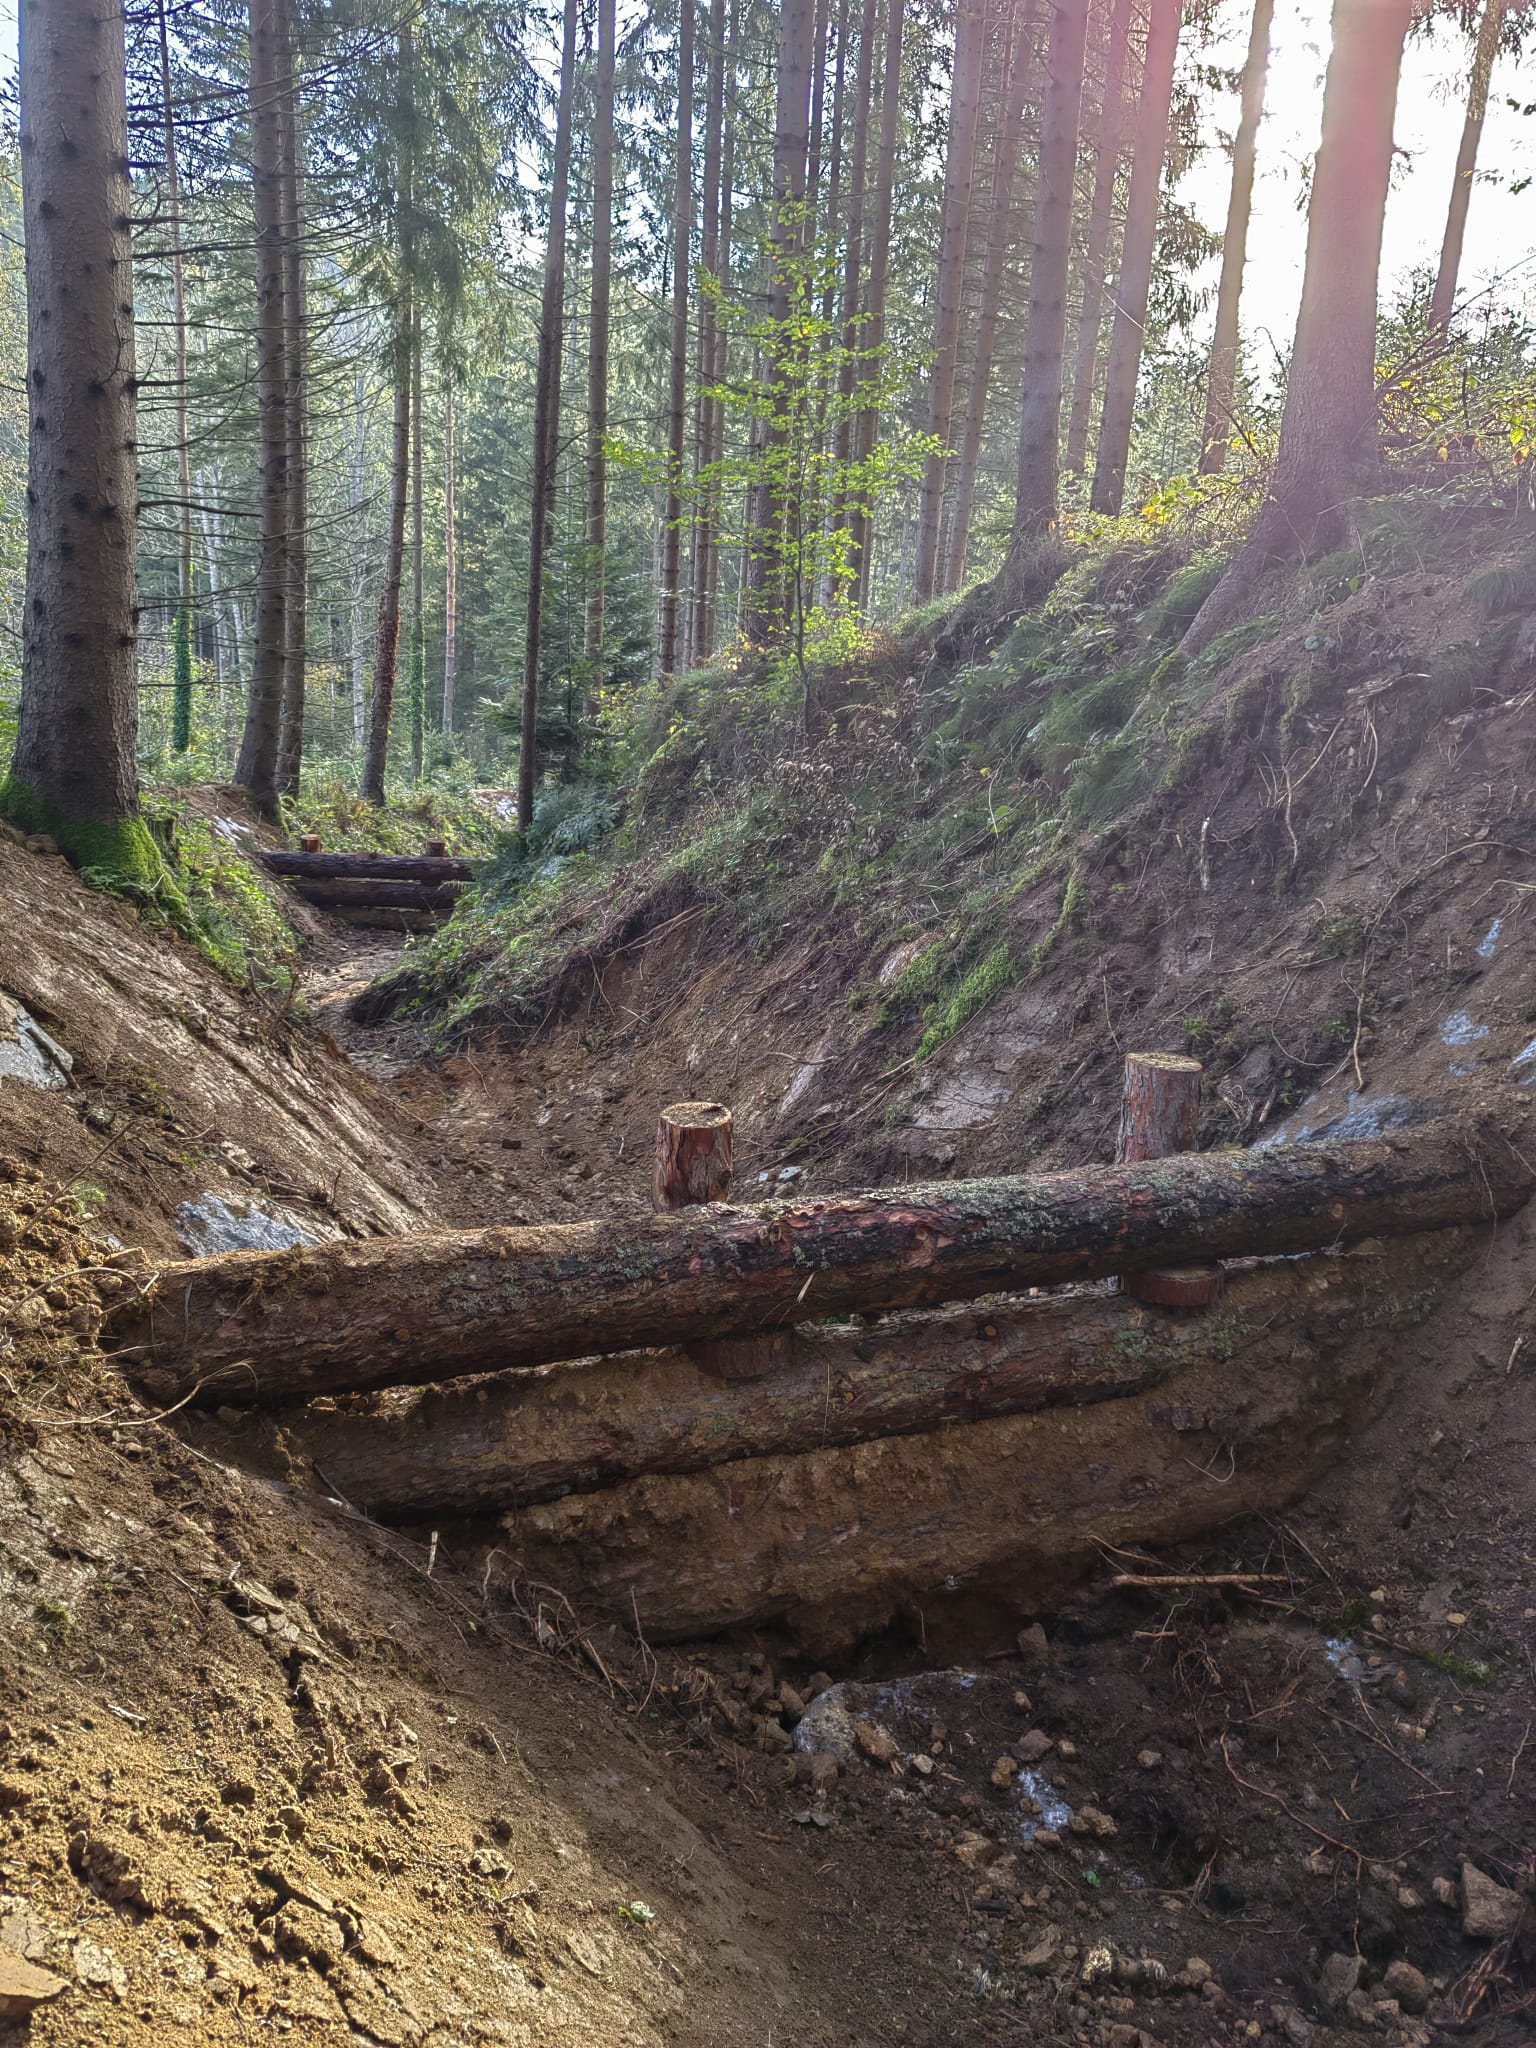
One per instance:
[(1328, 447), (74, 773)]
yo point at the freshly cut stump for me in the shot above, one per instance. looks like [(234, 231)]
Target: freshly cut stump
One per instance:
[(693, 1155), (1159, 1115)]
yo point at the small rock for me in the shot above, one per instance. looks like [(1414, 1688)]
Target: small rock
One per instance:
[(292, 1820), (1033, 1646), (772, 1737), (1291, 2024), (1149, 1759), (1004, 1771), (1489, 1910), (1023, 1702), (1032, 1747), (1044, 1956), (24, 1987), (1089, 1820), (1410, 1901), (877, 1743), (792, 1704), (973, 1850), (1198, 1971), (1410, 1987), (1066, 1748), (1339, 1976), (1446, 1894), (923, 1765)]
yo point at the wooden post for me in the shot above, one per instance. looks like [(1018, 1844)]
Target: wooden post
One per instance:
[(310, 843), (433, 849), (1159, 1114), (693, 1155)]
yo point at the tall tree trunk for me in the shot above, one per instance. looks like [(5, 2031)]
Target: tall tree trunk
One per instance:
[(450, 562), (831, 228), (1045, 333), (813, 133), (597, 347), (386, 644), (74, 771), (711, 331), (418, 606), (959, 170), (256, 766), (1137, 251), (1328, 447), (1221, 385), (872, 338), (1106, 176), (181, 714), (768, 581), (843, 431), (357, 505), (1484, 54), (670, 609), (1018, 64), (290, 748), (546, 421)]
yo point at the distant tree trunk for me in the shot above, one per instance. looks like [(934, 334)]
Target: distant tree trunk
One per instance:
[(418, 607), (357, 505), (546, 421), (959, 170), (706, 541), (290, 749), (1484, 55), (74, 762), (670, 608), (853, 263), (256, 767), (1045, 333), (386, 645), (1221, 385), (819, 34), (872, 337), (767, 580), (1139, 247), (181, 713), (1328, 448), (450, 562), (597, 347), (1000, 239), (1106, 176)]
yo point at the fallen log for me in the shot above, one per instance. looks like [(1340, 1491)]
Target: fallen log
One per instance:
[(428, 897), (488, 1444), (961, 1533), (272, 1327), (382, 867)]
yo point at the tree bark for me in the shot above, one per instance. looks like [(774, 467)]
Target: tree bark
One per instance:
[(597, 347), (669, 609), (853, 263), (290, 745), (1045, 334), (418, 545), (1137, 251), (272, 1327), (256, 767), (1484, 56), (1221, 384), (1328, 448), (693, 1155), (386, 645), (959, 172), (503, 1442), (968, 1528), (376, 895), (1000, 237), (181, 735), (450, 561), (386, 867), (546, 422), (872, 338), (1160, 1105), (1106, 177), (711, 337)]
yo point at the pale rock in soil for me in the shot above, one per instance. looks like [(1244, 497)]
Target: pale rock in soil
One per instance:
[(1339, 1976), (1410, 1987), (1032, 1747), (1444, 1889), (1091, 1820), (24, 1987), (1046, 1953), (1489, 1911)]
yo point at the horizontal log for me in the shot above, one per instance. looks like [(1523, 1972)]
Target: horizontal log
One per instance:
[(431, 898), (273, 1327), (387, 920), (487, 1444), (383, 867), (960, 1533)]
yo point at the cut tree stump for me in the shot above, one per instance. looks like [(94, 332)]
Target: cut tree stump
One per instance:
[(1159, 1116), (273, 1327), (490, 1444), (693, 1155)]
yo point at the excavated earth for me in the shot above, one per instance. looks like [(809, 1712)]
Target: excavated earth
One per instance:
[(266, 1767)]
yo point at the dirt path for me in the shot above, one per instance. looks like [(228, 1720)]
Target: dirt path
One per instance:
[(338, 966)]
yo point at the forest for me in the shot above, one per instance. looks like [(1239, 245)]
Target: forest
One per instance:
[(483, 367)]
